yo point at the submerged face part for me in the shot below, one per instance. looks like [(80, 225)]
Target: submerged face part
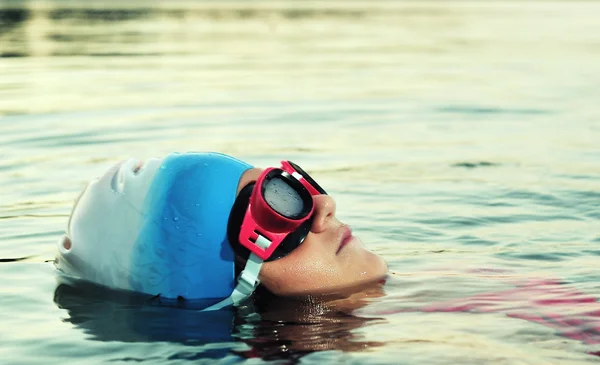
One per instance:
[(158, 227)]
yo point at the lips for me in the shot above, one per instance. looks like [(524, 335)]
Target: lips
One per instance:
[(345, 239)]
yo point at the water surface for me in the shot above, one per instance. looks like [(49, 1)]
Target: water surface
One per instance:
[(460, 141)]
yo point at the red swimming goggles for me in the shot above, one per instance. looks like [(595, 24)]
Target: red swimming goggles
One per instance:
[(273, 216)]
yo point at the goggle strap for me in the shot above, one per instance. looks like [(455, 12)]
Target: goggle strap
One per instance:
[(247, 283), (263, 242)]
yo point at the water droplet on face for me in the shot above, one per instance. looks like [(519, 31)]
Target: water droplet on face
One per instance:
[(175, 219)]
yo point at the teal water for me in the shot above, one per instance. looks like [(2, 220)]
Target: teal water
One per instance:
[(459, 139)]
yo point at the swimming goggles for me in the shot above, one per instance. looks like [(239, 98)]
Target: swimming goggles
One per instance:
[(277, 211), (270, 217)]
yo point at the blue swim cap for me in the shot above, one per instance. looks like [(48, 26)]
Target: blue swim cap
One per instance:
[(182, 249)]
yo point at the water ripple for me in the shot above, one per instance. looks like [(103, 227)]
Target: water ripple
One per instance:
[(474, 109), (459, 139)]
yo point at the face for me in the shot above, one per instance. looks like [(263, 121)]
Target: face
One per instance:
[(329, 260)]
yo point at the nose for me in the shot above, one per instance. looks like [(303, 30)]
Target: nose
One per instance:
[(324, 212)]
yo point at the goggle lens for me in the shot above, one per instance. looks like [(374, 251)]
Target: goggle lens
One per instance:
[(283, 198)]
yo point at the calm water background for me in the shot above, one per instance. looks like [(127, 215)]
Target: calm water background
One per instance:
[(459, 140)]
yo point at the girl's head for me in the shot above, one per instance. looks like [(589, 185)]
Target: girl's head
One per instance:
[(161, 228)]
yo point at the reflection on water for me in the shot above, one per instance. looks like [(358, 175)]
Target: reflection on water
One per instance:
[(273, 328), (459, 139), (230, 51), (43, 31)]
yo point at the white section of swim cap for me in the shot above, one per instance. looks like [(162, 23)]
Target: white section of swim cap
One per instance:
[(105, 224)]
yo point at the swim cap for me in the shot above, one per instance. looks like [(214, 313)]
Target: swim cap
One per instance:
[(164, 233)]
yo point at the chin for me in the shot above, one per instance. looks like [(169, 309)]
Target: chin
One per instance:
[(374, 266)]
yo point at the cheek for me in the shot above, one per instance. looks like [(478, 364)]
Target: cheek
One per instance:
[(303, 271), (315, 270), (310, 270), (294, 276)]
